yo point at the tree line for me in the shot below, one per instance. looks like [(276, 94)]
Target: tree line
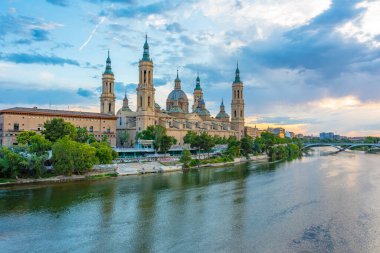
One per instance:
[(74, 151)]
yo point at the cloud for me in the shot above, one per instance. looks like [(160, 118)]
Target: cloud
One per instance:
[(28, 28), (62, 3), (40, 35), (174, 27), (86, 93), (37, 59)]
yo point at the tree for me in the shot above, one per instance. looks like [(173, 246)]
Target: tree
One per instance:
[(57, 128), (166, 142), (193, 139), (103, 152), (157, 133), (11, 163), (185, 158), (82, 135), (72, 157), (24, 137), (206, 142), (39, 145), (123, 137), (246, 145)]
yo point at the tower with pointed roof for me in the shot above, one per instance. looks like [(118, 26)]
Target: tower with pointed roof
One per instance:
[(145, 91), (107, 98), (198, 93), (237, 105)]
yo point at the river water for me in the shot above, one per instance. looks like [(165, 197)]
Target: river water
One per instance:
[(320, 203)]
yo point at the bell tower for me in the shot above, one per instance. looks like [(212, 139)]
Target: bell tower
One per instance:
[(237, 105), (145, 92), (107, 98), (198, 93)]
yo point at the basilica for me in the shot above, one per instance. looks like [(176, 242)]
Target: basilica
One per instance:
[(176, 117)]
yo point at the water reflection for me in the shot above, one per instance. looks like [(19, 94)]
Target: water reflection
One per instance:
[(320, 203)]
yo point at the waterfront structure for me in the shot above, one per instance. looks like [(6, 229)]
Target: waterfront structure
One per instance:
[(15, 120), (176, 117)]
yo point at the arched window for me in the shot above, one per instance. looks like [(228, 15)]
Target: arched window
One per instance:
[(109, 107), (238, 93), (120, 121), (141, 76), (106, 87), (241, 113), (148, 101), (235, 113), (234, 93), (110, 88), (149, 76), (144, 76), (140, 101)]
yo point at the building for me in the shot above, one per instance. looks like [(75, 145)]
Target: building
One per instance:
[(15, 120), (18, 119), (176, 116), (253, 132), (279, 131), (329, 136)]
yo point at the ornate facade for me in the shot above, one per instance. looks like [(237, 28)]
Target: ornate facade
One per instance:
[(177, 118)]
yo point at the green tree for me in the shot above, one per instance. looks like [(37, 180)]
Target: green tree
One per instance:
[(103, 152), (24, 137), (206, 143), (246, 145), (72, 157), (185, 158), (39, 145), (57, 128), (82, 135), (123, 138), (12, 164), (157, 133), (166, 142)]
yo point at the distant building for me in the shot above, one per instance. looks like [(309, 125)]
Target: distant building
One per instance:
[(299, 136), (279, 131), (254, 132), (324, 136)]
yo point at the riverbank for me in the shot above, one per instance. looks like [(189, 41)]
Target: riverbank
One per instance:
[(124, 169)]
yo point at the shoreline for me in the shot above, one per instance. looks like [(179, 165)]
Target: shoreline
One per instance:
[(123, 170)]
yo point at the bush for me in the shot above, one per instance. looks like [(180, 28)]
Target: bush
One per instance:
[(72, 157), (194, 163), (103, 152)]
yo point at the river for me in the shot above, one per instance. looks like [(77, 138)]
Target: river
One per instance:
[(320, 203)]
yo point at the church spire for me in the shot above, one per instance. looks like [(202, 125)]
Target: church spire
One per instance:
[(198, 83), (237, 73), (146, 50), (177, 82), (108, 70)]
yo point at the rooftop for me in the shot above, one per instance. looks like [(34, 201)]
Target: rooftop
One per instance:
[(59, 113)]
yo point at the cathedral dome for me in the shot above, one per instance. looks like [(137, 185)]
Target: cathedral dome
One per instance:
[(177, 95), (222, 115)]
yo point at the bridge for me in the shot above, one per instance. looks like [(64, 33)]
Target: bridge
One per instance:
[(340, 146)]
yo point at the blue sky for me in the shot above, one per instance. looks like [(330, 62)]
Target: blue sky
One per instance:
[(308, 66)]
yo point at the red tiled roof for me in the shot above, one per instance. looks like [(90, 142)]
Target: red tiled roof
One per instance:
[(58, 113)]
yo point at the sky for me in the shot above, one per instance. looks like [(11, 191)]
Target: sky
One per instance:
[(308, 66)]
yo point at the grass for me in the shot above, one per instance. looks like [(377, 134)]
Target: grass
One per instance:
[(101, 176), (7, 180)]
